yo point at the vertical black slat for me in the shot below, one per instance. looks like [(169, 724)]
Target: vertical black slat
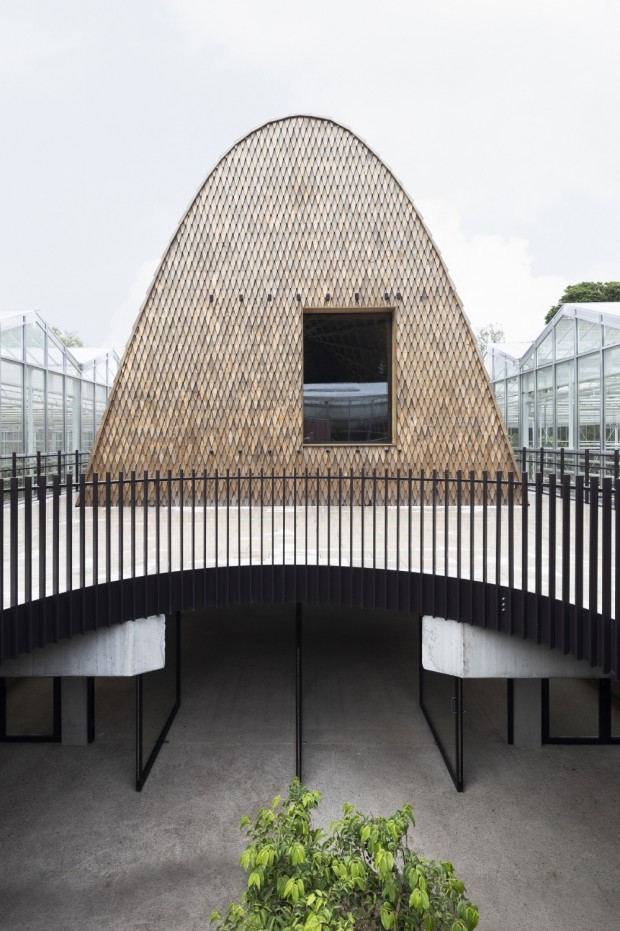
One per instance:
[(351, 537), (306, 532), (283, 535), (498, 549), (181, 538), (56, 553), (434, 538), (227, 570), (538, 553), (511, 550), (587, 470), (562, 466), (158, 536), (566, 544), (59, 463), (1, 552), (329, 534), (550, 634), (615, 638), (340, 530), (422, 606), (298, 690), (294, 527), (362, 521), (76, 463), (83, 551), (169, 536), (374, 534), (446, 539), (14, 465), (616, 463), (121, 539), (386, 495), (216, 499), (193, 494), (132, 525), (108, 543), (604, 644), (318, 527), (39, 467), (238, 593), (541, 467), (27, 555), (250, 532), (472, 534), (485, 543), (592, 632), (459, 532), (409, 528), (398, 535), (14, 526), (524, 553), (69, 535), (95, 518), (205, 490), (577, 619), (273, 532), (145, 539)]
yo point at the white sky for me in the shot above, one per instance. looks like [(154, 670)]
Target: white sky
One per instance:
[(501, 119)]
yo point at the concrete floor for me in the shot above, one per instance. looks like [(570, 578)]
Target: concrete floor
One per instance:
[(534, 836)]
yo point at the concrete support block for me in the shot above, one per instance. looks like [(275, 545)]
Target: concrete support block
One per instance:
[(74, 711), (122, 650), (475, 653), (527, 718)]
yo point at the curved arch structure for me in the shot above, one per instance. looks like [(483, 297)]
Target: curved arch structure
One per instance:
[(213, 373)]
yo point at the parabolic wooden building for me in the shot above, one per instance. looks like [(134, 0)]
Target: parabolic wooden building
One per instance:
[(302, 317)]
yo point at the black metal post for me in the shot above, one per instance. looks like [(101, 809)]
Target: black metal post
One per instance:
[(298, 690)]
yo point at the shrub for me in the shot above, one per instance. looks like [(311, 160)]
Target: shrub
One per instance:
[(361, 874)]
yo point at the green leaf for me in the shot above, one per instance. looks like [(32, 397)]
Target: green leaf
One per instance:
[(254, 879)]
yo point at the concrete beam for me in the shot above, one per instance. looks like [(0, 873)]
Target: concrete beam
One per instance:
[(475, 653), (127, 649)]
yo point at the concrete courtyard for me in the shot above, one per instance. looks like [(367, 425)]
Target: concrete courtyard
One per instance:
[(534, 836)]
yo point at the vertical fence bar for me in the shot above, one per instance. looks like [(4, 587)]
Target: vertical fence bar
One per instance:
[(498, 548), (132, 525), (374, 536), (538, 553), (228, 532), (181, 539), (550, 633), (95, 518), (592, 633), (604, 642), (459, 525), (56, 551), (14, 528), (121, 540), (83, 550), (566, 543), (485, 541), (524, 552), (169, 535), (41, 500), (158, 536), (446, 537), (108, 544), (351, 537), (434, 538), (511, 549), (615, 638), (329, 535), (27, 553), (577, 625), (422, 606), (472, 531), (145, 538), (284, 535)]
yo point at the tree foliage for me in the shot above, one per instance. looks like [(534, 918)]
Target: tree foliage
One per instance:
[(584, 293), (361, 875), (68, 337), (487, 334)]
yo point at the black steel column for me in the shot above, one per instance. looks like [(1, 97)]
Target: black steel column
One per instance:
[(298, 694)]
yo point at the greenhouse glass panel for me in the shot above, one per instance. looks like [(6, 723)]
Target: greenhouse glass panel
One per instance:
[(528, 364), (12, 401), (512, 411), (12, 342), (612, 335), (55, 408), (88, 416), (101, 395), (565, 404), (35, 410), (528, 400), (511, 367), (612, 398), (72, 413), (500, 366), (35, 344), (565, 338), (545, 350), (500, 397), (101, 373), (589, 402), (544, 407), (55, 356), (588, 336)]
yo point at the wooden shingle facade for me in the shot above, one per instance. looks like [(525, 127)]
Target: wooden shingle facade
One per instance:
[(299, 214)]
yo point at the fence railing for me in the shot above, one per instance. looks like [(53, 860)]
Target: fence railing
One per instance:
[(19, 465), (504, 552), (586, 462)]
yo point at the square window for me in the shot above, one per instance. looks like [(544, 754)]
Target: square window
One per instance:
[(347, 377)]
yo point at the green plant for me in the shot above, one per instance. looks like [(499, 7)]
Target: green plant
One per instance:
[(361, 875)]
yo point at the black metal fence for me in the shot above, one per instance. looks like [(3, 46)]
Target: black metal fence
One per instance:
[(501, 552), (19, 465), (587, 462)]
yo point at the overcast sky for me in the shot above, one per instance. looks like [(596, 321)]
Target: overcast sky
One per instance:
[(500, 118)]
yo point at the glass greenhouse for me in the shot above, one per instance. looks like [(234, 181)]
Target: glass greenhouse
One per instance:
[(51, 397), (563, 390)]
